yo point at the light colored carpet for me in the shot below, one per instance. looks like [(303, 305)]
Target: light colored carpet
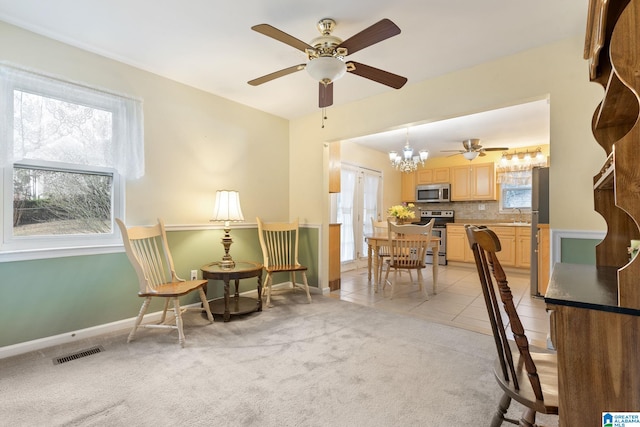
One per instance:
[(329, 363)]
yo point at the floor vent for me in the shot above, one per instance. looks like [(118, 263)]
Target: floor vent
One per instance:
[(78, 355)]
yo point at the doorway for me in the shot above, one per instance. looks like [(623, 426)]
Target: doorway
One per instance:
[(359, 200)]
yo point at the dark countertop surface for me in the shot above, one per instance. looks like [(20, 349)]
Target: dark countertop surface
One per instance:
[(586, 286)]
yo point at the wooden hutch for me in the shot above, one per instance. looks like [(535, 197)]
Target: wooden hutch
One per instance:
[(596, 309)]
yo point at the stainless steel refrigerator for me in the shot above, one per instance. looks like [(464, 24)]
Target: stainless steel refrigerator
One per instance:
[(539, 215)]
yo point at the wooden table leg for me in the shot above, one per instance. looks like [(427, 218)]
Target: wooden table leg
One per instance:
[(227, 313), (369, 255), (260, 292), (434, 266), (376, 268)]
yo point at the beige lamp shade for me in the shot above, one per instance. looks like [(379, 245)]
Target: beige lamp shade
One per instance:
[(227, 207)]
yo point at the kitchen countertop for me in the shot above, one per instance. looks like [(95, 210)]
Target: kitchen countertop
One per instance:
[(490, 222)]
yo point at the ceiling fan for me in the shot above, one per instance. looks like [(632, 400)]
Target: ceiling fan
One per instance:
[(473, 149), (326, 56)]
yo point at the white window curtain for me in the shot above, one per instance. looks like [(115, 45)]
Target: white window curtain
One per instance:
[(518, 174), (122, 149), (346, 205), (371, 184)]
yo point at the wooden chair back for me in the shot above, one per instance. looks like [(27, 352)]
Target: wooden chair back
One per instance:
[(381, 227), (279, 243), (148, 251), (408, 245), (520, 378)]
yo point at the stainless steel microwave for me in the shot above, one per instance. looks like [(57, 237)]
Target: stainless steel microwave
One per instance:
[(433, 193)]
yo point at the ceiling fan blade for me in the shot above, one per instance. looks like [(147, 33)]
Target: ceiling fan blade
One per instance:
[(496, 149), (325, 97), (386, 78), (275, 75), (451, 151), (378, 32), (281, 36), (482, 153)]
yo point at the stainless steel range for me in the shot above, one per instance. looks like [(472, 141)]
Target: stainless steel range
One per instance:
[(442, 218)]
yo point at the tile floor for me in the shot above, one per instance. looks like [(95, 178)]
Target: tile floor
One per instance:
[(458, 301)]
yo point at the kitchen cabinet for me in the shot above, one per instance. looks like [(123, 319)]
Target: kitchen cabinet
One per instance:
[(515, 242), (334, 257), (334, 167), (408, 192), (523, 247), (473, 182), (507, 236), (432, 176), (457, 244), (544, 257)]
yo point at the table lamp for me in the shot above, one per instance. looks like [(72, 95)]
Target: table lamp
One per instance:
[(227, 208)]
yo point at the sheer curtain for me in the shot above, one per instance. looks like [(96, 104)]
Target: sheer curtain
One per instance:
[(117, 142), (345, 213), (517, 174), (370, 203), (357, 202)]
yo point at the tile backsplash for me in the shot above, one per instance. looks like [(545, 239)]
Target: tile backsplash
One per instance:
[(471, 210)]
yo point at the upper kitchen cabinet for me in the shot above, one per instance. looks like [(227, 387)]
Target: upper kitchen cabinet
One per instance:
[(473, 182), (334, 167), (432, 176), (408, 192)]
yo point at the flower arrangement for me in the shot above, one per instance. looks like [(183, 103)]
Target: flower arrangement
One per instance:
[(403, 211)]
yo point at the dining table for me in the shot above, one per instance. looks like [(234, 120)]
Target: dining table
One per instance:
[(375, 241)]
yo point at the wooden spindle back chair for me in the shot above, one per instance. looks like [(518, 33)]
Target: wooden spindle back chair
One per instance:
[(529, 377), (148, 252), (279, 243), (408, 245)]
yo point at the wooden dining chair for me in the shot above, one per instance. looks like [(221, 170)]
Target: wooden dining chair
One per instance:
[(527, 376), (279, 243), (381, 227), (408, 245), (148, 252)]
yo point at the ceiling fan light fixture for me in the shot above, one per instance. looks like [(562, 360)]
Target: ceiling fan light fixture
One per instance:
[(326, 69), (470, 155)]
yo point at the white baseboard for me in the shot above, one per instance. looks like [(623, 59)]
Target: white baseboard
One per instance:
[(73, 336)]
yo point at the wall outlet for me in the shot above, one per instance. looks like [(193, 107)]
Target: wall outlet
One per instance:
[(482, 207), (194, 274)]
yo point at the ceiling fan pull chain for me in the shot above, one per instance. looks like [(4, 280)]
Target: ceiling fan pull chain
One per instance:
[(324, 116)]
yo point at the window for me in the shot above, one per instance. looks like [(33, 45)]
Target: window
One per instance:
[(66, 152), (515, 190)]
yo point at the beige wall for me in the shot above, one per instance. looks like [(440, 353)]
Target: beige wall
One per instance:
[(195, 143), (359, 155), (556, 71)]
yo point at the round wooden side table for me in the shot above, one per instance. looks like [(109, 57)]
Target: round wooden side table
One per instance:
[(237, 304)]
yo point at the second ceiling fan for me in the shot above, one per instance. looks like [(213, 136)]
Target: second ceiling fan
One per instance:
[(326, 56), (473, 149)]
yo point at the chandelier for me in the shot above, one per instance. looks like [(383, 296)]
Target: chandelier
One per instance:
[(407, 162)]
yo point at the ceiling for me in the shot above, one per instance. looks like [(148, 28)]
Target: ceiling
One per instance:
[(210, 45), (522, 125)]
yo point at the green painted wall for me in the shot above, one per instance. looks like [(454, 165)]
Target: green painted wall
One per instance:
[(578, 251), (43, 298)]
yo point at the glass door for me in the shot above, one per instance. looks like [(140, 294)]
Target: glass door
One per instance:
[(359, 201)]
